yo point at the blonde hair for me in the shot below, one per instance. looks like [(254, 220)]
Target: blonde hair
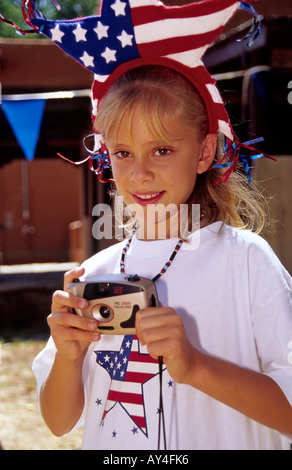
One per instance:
[(162, 92)]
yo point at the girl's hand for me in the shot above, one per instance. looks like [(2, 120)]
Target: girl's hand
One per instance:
[(72, 334), (254, 394), (162, 330)]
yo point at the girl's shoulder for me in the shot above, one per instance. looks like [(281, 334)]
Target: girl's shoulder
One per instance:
[(236, 238), (244, 241), (244, 244), (241, 236)]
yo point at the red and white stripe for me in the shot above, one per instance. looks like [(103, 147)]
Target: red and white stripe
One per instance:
[(181, 33)]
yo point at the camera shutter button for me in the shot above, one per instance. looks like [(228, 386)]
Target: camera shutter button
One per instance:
[(133, 278)]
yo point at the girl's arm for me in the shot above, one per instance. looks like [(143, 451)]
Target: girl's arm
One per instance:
[(62, 395), (254, 394), (251, 393)]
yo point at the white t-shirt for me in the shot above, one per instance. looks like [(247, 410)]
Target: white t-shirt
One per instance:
[(234, 297)]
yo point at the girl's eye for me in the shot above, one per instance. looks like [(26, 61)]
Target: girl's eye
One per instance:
[(162, 152), (122, 154)]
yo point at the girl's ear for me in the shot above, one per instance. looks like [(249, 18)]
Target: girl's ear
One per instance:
[(208, 151)]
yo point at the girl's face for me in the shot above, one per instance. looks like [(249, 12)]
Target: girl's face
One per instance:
[(148, 170)]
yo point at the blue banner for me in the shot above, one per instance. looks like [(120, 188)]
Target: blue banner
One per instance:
[(25, 118)]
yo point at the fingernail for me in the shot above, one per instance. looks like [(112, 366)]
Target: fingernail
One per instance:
[(83, 304), (95, 337), (92, 325)]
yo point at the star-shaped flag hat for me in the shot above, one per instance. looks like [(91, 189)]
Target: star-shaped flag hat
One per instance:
[(131, 33)]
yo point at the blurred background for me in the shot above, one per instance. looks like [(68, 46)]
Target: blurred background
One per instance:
[(46, 203)]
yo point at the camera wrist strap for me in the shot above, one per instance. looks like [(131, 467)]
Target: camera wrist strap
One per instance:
[(154, 279)]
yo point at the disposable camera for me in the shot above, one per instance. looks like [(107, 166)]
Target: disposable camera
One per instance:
[(114, 300)]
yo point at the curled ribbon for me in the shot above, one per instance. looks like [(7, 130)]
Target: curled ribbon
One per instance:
[(29, 11), (235, 152), (98, 157), (256, 27)]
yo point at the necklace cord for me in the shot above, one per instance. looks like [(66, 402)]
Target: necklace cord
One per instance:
[(161, 410)]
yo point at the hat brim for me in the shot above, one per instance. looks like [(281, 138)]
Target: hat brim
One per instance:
[(198, 76)]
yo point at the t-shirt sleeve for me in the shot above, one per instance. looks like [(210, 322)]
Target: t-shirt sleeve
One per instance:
[(43, 362), (271, 309), (41, 367)]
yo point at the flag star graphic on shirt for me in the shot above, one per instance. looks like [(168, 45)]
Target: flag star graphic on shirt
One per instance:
[(129, 369)]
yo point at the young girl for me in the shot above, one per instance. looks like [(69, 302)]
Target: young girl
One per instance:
[(224, 323)]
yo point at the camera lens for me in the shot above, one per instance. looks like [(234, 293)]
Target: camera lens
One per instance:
[(104, 311)]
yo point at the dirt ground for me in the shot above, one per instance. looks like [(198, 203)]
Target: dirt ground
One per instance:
[(21, 426)]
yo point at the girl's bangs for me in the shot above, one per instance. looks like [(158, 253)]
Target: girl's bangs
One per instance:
[(156, 114)]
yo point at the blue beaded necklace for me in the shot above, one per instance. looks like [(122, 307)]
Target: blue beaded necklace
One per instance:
[(164, 268)]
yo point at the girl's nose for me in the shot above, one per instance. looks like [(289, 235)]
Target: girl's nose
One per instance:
[(141, 171)]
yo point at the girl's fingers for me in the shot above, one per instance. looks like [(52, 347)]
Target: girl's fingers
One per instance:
[(63, 299), (69, 327), (65, 319), (157, 317), (157, 324), (71, 275)]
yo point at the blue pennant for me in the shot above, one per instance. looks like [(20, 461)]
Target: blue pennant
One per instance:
[(25, 118)]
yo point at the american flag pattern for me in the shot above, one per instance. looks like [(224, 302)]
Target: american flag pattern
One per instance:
[(136, 32), (129, 369)]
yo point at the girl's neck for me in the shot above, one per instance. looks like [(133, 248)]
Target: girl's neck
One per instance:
[(175, 226)]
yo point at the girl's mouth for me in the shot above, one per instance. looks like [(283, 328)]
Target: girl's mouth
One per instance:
[(147, 198)]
